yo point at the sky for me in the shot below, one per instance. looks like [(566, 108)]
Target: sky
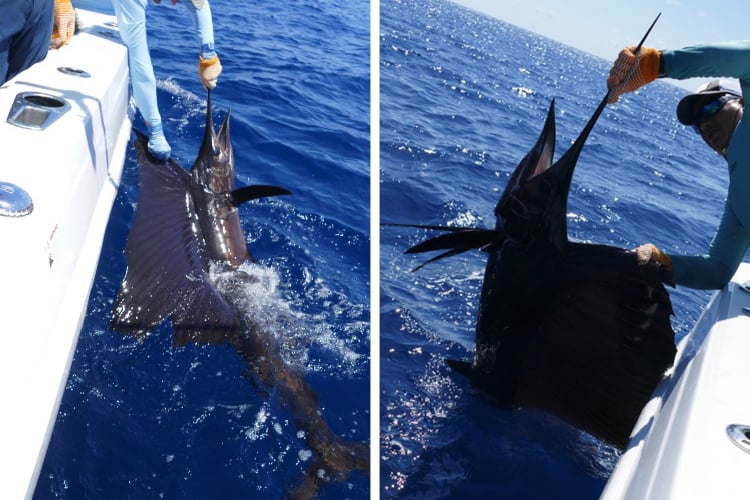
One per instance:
[(603, 31)]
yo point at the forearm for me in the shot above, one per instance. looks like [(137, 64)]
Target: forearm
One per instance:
[(714, 270), (700, 272), (203, 23), (727, 59)]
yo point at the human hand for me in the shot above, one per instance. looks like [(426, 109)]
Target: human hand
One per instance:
[(632, 70), (209, 71), (64, 24), (649, 253)]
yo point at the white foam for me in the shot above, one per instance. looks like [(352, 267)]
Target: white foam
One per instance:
[(258, 429), (262, 300)]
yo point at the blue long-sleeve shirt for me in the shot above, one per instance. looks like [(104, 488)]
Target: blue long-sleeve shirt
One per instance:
[(732, 239)]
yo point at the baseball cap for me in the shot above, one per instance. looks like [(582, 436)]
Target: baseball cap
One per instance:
[(688, 107)]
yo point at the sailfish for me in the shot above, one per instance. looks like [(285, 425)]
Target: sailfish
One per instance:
[(579, 330), (186, 231)]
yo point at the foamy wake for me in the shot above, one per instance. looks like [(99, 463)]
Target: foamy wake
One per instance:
[(297, 333)]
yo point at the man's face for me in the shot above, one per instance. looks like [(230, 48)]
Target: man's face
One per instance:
[(717, 128)]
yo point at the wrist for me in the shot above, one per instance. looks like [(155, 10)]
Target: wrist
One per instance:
[(207, 52), (649, 61), (662, 70), (203, 62), (63, 6)]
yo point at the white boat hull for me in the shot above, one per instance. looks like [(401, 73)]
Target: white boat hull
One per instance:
[(71, 171), (681, 447)]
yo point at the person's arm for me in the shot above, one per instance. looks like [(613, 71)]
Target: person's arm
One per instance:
[(633, 70), (727, 59), (714, 270), (209, 65)]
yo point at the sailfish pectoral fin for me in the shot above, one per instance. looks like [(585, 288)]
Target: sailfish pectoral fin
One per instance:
[(249, 193), (456, 242), (449, 253), (451, 229), (467, 239), (167, 271)]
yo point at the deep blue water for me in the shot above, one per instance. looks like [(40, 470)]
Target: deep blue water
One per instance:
[(146, 420), (463, 98)]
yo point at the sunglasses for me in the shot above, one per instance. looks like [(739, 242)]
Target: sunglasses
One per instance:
[(710, 110)]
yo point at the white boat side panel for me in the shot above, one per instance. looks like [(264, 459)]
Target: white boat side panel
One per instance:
[(71, 170), (680, 448)]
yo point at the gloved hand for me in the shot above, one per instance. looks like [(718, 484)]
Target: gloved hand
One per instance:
[(209, 71), (64, 24), (649, 253), (632, 71)]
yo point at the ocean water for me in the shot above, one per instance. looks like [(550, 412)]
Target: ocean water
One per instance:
[(463, 98), (146, 420)]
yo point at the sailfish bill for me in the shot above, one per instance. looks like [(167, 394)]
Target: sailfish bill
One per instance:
[(185, 225), (581, 331)]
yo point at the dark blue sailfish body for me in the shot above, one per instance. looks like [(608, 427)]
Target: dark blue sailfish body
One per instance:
[(581, 331), (185, 225)]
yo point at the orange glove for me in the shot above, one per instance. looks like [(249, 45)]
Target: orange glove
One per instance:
[(209, 71), (632, 71), (649, 253), (64, 24)]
